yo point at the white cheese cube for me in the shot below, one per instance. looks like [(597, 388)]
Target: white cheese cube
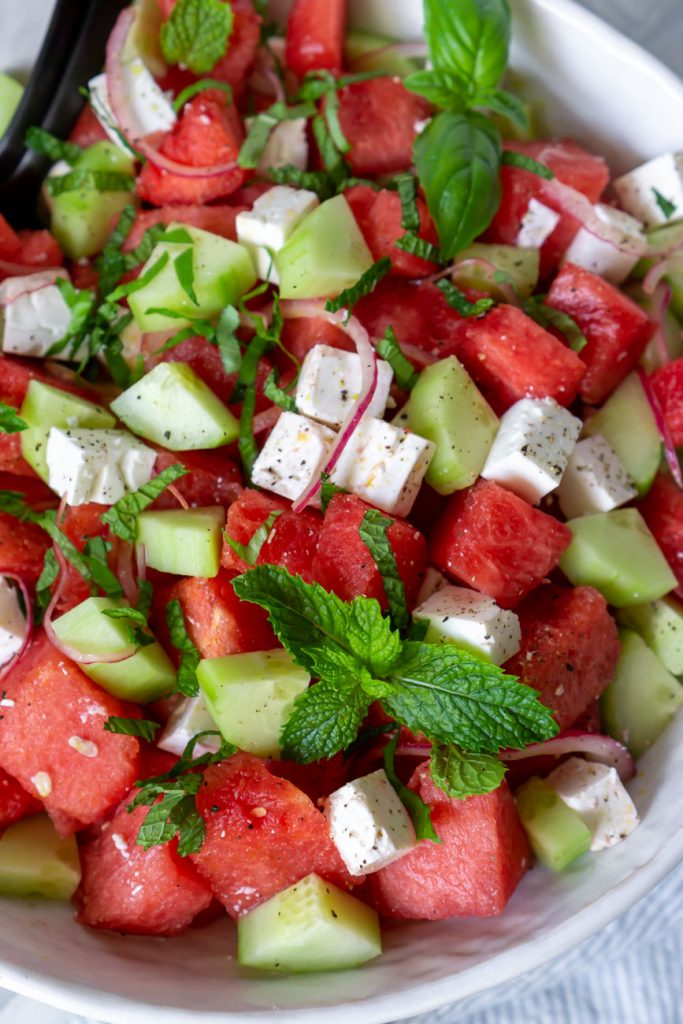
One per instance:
[(594, 480), (287, 145), (432, 582), (601, 257), (538, 224), (467, 619), (36, 316), (293, 455), (191, 716), (12, 622), (368, 823), (96, 465), (384, 465), (265, 229), (531, 449), (646, 191), (599, 797), (150, 109), (330, 382)]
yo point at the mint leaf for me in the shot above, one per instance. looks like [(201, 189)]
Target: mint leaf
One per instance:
[(261, 127), (416, 246), (319, 182), (121, 518), (47, 579), (226, 339), (511, 158), (124, 290), (505, 103), (14, 504), (249, 552), (388, 348), (183, 265), (373, 532), (459, 301), (196, 34), (10, 421), (190, 91), (145, 597), (406, 185), (548, 316), (85, 180), (142, 727), (136, 623), (324, 720), (444, 89), (328, 491), (417, 809), (665, 205), (96, 553), (48, 522), (276, 394), (81, 303), (365, 284), (469, 38), (460, 774), (189, 655), (47, 144)]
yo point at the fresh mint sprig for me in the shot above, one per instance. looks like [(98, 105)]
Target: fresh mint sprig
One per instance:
[(249, 552), (196, 34), (10, 421)]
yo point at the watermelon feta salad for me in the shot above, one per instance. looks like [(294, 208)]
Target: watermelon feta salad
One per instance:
[(341, 517)]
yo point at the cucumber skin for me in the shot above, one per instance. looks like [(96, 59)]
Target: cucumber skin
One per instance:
[(183, 542), (556, 833), (34, 861)]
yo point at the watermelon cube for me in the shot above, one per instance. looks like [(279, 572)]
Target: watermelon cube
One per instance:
[(22, 548), (53, 740), (219, 220), (212, 478), (11, 459), (663, 512), (496, 543), (616, 329), (344, 565), (15, 802), (80, 523), (667, 385), (205, 360), (315, 36), (291, 543), (138, 892), (262, 835), (380, 120), (379, 218), (301, 335), (473, 871), (9, 240), (570, 648)]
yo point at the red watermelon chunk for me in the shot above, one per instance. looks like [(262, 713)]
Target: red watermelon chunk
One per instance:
[(219, 220), (472, 872), (380, 120), (9, 240), (667, 385), (87, 130), (315, 36), (262, 835), (343, 563), (616, 329), (15, 802), (11, 459), (570, 648), (242, 46), (497, 543), (292, 541), (301, 335), (138, 892), (379, 218), (80, 523), (511, 357), (213, 478), (39, 249), (663, 513), (22, 548), (55, 704)]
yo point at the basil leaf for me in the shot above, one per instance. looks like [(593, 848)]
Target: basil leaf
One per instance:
[(365, 284), (505, 103), (417, 809), (442, 88), (10, 421), (249, 552), (511, 158), (469, 37), (388, 348), (189, 655), (373, 531), (460, 774), (142, 727), (121, 518), (196, 34)]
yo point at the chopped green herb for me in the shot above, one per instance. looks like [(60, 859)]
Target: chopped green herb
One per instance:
[(459, 301), (388, 348), (460, 774), (313, 181), (47, 579), (511, 158), (277, 395), (227, 340), (121, 518), (136, 624), (665, 205), (328, 491), (10, 421), (249, 552), (85, 180), (124, 290), (363, 286), (420, 247), (190, 91), (548, 316), (406, 186), (96, 553), (262, 126), (81, 303), (189, 655), (183, 265), (413, 802), (373, 531), (142, 727), (196, 34), (47, 144)]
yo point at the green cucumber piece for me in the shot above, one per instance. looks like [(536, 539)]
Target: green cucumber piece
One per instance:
[(311, 926), (556, 833), (660, 240), (11, 92), (325, 254), (521, 266), (616, 553), (673, 336), (174, 408), (223, 273), (660, 624), (447, 408), (146, 675), (643, 698), (81, 220), (34, 861), (45, 407), (250, 697), (360, 53), (627, 423), (184, 542)]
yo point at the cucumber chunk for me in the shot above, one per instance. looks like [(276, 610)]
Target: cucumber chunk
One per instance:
[(183, 542), (34, 861), (660, 240), (250, 697), (144, 676), (556, 832), (11, 92), (671, 329), (616, 553), (521, 266), (360, 52), (326, 254), (447, 408), (311, 926), (174, 408), (660, 624), (81, 220), (223, 273), (628, 425), (45, 407), (643, 698)]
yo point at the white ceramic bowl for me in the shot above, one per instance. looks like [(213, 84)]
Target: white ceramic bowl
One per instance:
[(602, 88)]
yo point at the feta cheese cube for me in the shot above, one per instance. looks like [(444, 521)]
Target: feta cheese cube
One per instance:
[(531, 449), (96, 465), (538, 224), (265, 229), (36, 316), (474, 621), (432, 582), (601, 257), (384, 465), (368, 823), (287, 145), (12, 622), (594, 480), (190, 717), (642, 190), (293, 455), (330, 382), (599, 797), (150, 109)]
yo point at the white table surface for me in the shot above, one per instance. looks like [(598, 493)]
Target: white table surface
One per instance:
[(632, 972)]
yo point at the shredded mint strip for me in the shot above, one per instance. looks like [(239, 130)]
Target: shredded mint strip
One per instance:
[(511, 158), (144, 728), (388, 348), (122, 517), (459, 301), (363, 286), (373, 531), (249, 552), (412, 801), (10, 421), (189, 655)]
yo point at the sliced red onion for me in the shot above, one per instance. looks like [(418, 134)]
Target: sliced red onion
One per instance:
[(28, 632), (577, 205), (16, 287), (266, 419), (175, 493), (594, 746), (662, 427), (660, 308), (124, 553), (294, 309)]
